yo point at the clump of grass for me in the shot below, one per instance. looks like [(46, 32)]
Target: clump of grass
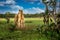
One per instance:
[(28, 21)]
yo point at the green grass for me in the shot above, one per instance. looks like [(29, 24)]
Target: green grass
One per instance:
[(32, 23)]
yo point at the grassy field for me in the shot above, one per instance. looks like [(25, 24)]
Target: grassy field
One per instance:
[(28, 21), (33, 34)]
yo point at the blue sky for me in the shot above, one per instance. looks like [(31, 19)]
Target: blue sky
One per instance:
[(28, 6)]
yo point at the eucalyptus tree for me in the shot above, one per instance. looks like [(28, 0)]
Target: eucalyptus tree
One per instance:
[(53, 6), (46, 16)]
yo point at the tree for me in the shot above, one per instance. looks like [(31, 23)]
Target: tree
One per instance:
[(53, 6), (7, 16), (46, 15)]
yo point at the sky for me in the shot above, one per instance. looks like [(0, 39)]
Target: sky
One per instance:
[(28, 6)]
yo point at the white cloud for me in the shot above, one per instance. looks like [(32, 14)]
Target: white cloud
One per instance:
[(33, 10), (33, 1), (17, 7), (2, 3), (10, 2), (40, 0), (26, 11), (46, 0), (14, 11), (57, 10)]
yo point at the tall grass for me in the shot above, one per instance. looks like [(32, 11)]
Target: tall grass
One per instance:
[(30, 34)]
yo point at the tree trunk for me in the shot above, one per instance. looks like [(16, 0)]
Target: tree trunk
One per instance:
[(54, 14), (47, 15)]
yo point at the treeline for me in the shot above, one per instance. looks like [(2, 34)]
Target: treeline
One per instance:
[(33, 15), (4, 15), (26, 15)]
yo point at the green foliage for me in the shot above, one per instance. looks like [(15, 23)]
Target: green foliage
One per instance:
[(7, 34), (35, 31)]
